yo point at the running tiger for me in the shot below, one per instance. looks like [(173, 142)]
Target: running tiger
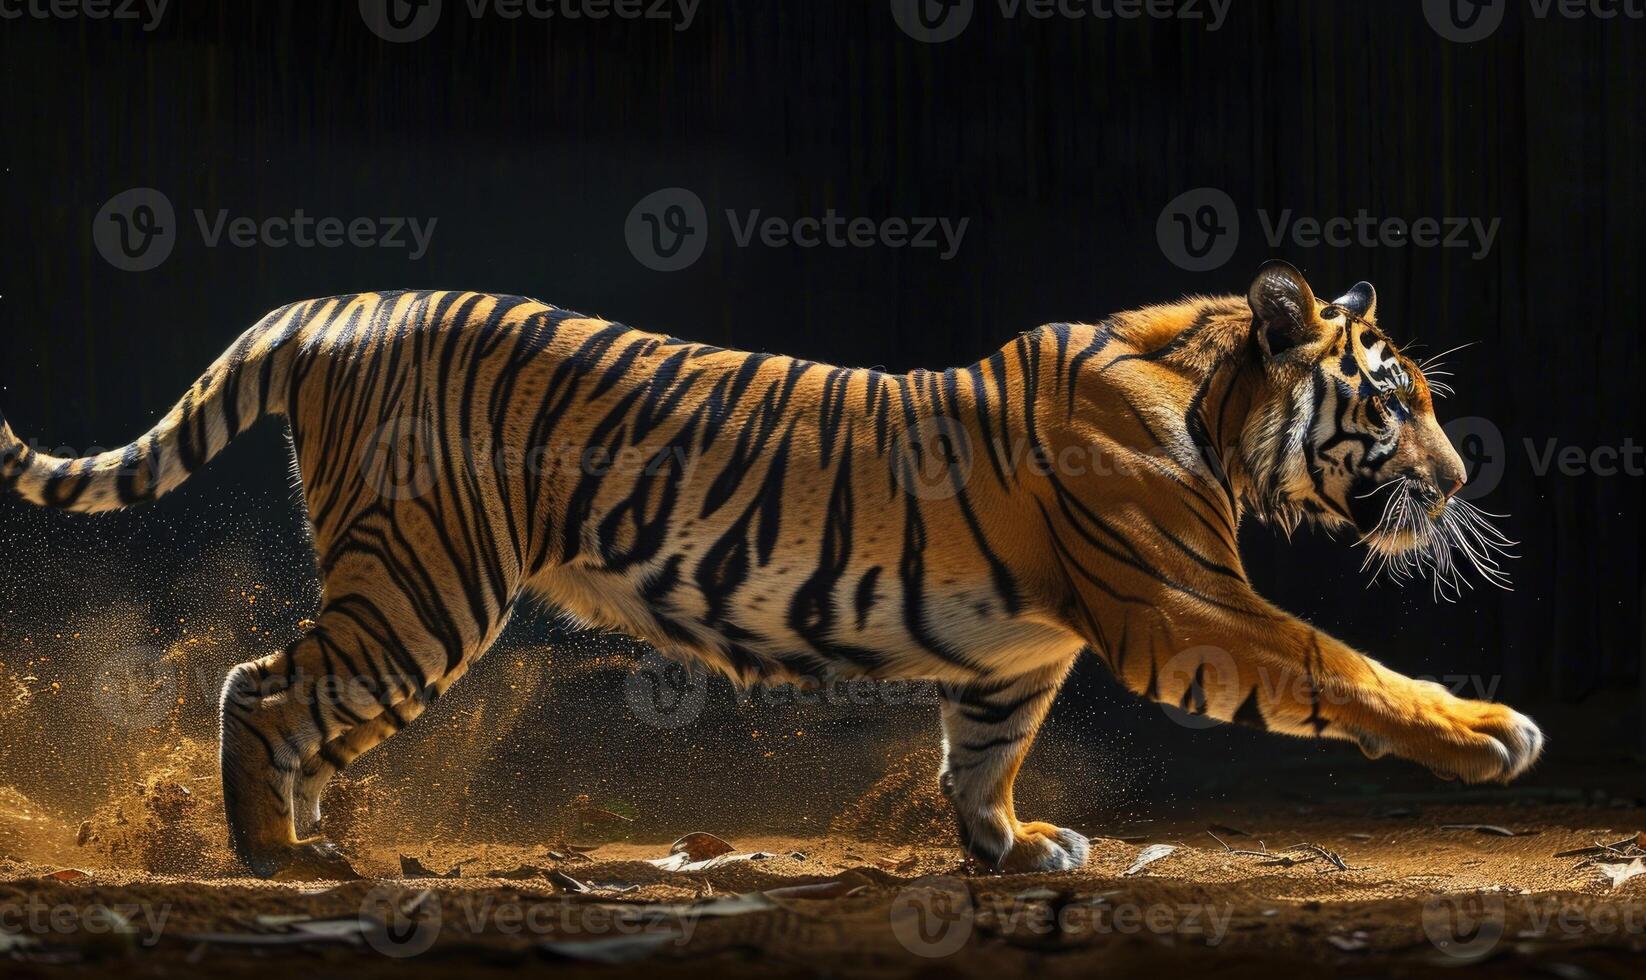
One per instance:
[(792, 521)]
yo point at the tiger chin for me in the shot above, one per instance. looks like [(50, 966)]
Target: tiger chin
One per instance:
[(801, 522)]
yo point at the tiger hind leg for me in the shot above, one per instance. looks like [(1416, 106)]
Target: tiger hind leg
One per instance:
[(344, 687), (335, 755), (988, 729)]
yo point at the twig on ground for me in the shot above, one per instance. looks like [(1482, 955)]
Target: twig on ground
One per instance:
[(1283, 859)]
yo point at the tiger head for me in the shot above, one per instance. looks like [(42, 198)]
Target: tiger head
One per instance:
[(1348, 438)]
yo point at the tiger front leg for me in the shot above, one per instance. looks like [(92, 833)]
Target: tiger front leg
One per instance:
[(988, 728), (1280, 674)]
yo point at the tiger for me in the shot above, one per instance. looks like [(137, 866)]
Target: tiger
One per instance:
[(784, 521)]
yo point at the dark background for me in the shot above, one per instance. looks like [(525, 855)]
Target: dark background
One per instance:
[(1061, 141)]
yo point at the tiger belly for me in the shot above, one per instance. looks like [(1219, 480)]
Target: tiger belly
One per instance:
[(759, 639)]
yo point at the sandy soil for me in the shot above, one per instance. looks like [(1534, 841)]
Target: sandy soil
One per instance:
[(1419, 891)]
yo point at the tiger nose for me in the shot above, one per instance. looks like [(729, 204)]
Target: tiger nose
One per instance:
[(1448, 474), (1449, 477)]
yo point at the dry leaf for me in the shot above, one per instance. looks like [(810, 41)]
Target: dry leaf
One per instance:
[(569, 883), (66, 874), (411, 867), (1621, 873), (701, 846), (683, 862), (1491, 829), (1148, 856)]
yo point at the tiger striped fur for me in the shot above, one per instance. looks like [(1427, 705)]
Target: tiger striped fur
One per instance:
[(781, 520)]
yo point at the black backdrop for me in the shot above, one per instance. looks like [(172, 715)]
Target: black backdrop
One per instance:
[(1060, 141)]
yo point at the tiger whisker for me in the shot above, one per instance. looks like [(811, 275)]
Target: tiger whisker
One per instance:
[(1443, 548)]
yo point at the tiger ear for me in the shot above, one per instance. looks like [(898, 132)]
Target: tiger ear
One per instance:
[(1361, 300), (1283, 308)]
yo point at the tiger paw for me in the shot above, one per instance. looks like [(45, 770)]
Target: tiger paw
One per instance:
[(1474, 741), (1043, 847), (313, 860)]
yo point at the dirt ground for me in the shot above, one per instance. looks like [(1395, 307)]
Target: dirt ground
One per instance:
[(1402, 888)]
